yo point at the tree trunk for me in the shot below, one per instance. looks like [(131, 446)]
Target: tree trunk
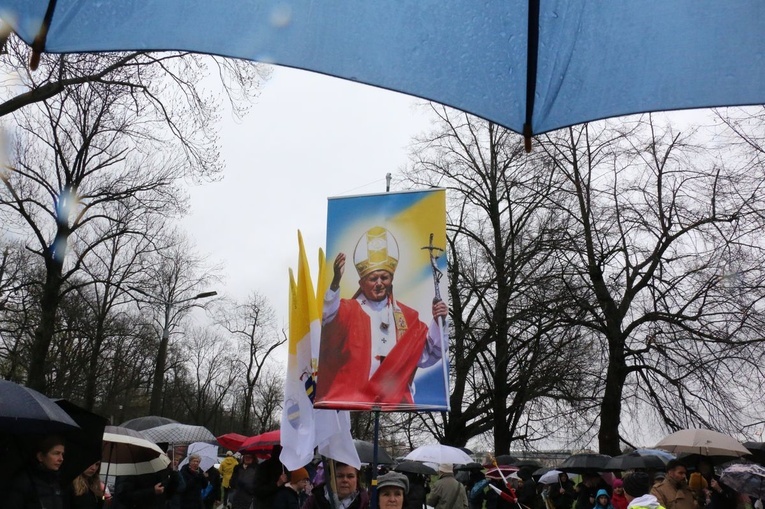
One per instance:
[(611, 405), (91, 379), (49, 301)]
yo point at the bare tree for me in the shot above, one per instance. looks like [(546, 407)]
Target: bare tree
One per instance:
[(252, 327), (505, 353), (208, 361), (93, 131), (657, 226), (175, 281)]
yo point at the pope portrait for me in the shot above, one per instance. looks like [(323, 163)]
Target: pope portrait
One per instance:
[(372, 344)]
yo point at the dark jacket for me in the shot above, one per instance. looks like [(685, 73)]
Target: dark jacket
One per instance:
[(243, 483), (286, 498), (35, 488), (87, 500), (191, 498), (318, 500), (266, 478), (137, 492), (563, 500)]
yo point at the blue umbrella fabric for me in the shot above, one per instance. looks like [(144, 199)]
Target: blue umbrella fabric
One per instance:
[(26, 411), (528, 65), (748, 479)]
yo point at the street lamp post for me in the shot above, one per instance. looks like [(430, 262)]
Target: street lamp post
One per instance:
[(159, 370)]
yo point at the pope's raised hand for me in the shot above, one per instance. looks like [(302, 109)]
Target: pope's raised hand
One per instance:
[(339, 268)]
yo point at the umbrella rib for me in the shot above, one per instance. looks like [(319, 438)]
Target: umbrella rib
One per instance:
[(532, 59), (38, 45)]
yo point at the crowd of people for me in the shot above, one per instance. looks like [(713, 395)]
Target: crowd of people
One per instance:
[(240, 481), (675, 488)]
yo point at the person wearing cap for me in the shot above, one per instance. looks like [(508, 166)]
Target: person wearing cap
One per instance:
[(226, 469), (372, 344), (673, 492), (391, 490), (447, 492), (637, 487), (619, 499), (288, 495), (347, 494)]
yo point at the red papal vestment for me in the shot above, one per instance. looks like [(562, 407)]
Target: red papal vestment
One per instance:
[(345, 359)]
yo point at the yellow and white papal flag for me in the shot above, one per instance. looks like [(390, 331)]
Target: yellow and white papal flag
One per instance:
[(303, 428)]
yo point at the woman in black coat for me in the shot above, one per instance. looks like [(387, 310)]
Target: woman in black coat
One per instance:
[(39, 485), (195, 481)]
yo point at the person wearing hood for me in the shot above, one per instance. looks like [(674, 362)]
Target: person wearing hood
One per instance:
[(602, 500), (226, 470), (637, 487), (562, 493), (619, 499)]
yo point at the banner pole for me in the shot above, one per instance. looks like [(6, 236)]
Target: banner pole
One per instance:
[(373, 491)]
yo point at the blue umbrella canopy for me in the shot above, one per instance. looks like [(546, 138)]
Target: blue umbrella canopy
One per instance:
[(528, 65)]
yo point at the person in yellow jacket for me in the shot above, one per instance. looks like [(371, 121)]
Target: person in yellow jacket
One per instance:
[(226, 470)]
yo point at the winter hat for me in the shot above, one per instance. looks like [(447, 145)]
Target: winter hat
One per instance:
[(697, 482), (393, 479), (618, 483), (637, 484), (229, 453), (446, 468), (298, 475)]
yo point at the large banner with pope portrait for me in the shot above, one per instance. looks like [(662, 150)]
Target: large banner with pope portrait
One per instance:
[(384, 334)]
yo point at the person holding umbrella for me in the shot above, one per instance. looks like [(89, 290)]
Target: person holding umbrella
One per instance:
[(243, 483), (673, 492), (562, 493), (39, 485)]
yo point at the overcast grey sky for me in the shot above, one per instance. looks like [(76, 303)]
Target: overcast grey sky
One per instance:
[(307, 138)]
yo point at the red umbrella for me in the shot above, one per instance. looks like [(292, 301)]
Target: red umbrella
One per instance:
[(261, 444), (231, 441)]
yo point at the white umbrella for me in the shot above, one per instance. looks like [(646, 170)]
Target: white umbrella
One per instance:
[(550, 477), (437, 453), (126, 452), (703, 442), (208, 454)]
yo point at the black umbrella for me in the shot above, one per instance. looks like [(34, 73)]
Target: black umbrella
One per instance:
[(83, 446), (758, 451), (527, 464), (26, 411), (470, 466), (415, 467), (506, 459), (146, 422), (585, 462), (633, 461), (365, 451)]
